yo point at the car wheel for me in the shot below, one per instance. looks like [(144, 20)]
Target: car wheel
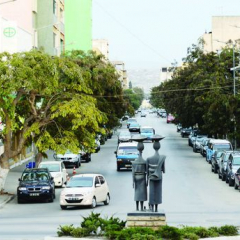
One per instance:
[(235, 186), (231, 183), (118, 168), (94, 203), (219, 176), (54, 194), (223, 177), (63, 207), (215, 169), (51, 198), (194, 149), (227, 181), (107, 201), (19, 200), (212, 168)]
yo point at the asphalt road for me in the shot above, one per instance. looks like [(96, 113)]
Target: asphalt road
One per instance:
[(192, 194)]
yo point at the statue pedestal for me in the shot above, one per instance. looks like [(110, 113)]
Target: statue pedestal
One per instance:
[(146, 219)]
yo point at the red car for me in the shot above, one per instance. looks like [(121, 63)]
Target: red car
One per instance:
[(170, 118)]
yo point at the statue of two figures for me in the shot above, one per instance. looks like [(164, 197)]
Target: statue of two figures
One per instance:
[(146, 173)]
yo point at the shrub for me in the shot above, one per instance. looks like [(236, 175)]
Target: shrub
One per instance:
[(228, 230), (79, 232), (139, 236), (169, 232), (65, 230), (190, 236)]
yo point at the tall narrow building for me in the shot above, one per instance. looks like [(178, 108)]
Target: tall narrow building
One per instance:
[(48, 21), (78, 25)]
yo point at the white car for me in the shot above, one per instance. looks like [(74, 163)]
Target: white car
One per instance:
[(57, 170), (85, 189), (69, 159)]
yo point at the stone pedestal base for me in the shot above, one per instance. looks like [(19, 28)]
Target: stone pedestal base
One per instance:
[(146, 219)]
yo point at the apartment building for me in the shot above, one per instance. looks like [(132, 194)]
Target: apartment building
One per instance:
[(165, 74), (78, 25), (224, 29), (101, 46), (122, 72), (48, 23)]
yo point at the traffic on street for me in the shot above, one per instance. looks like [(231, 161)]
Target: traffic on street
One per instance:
[(192, 194)]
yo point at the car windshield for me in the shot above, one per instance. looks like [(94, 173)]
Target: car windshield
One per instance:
[(132, 120), (80, 182), (146, 130), (134, 125), (222, 146), (127, 150), (35, 176), (51, 167), (124, 134)]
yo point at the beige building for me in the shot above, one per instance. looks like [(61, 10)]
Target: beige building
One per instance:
[(101, 46), (224, 29), (165, 74), (120, 67)]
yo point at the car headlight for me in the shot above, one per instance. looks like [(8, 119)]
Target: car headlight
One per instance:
[(22, 188), (46, 187)]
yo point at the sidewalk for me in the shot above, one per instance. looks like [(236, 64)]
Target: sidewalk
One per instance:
[(5, 198)]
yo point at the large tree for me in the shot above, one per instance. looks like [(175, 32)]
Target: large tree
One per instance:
[(201, 92), (46, 100)]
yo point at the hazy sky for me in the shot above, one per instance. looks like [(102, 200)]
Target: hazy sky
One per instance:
[(147, 34)]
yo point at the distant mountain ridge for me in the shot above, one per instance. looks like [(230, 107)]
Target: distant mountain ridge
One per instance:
[(144, 78)]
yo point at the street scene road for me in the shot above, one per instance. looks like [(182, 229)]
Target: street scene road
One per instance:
[(192, 194)]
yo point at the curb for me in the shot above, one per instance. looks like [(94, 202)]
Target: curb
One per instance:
[(8, 199), (71, 238)]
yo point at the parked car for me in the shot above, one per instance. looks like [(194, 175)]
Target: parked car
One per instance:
[(131, 120), (215, 160), (233, 164), (57, 171), (69, 159), (143, 113), (197, 142), (193, 134), (85, 156), (203, 146), (124, 136), (147, 132), (85, 190), (36, 184), (179, 127), (237, 179), (126, 153), (185, 132), (223, 165), (134, 127), (217, 144), (97, 145)]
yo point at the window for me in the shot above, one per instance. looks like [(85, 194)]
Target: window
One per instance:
[(54, 7), (54, 39), (102, 180), (97, 181)]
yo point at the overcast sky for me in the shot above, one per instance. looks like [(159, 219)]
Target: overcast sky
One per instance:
[(148, 34)]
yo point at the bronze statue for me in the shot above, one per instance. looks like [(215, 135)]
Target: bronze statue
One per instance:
[(139, 175), (155, 166)]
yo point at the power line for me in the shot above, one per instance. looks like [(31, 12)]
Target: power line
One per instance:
[(131, 33)]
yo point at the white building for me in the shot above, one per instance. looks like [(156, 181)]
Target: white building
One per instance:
[(224, 29), (101, 46), (165, 74), (13, 38)]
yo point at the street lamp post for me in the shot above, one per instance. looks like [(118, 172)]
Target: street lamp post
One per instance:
[(234, 68)]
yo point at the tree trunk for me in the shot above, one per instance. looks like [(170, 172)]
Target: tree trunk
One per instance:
[(38, 158), (3, 177)]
